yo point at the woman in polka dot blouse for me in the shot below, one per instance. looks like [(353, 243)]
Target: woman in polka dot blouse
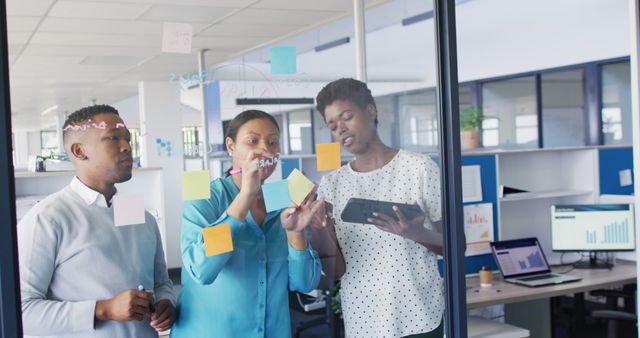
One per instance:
[(391, 286)]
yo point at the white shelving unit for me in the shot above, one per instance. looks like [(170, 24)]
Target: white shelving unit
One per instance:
[(551, 176)]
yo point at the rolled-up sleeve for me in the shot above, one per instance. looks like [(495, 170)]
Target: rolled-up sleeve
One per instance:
[(196, 216), (304, 269), (37, 241)]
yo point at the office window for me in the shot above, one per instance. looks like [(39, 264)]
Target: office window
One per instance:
[(48, 142), (466, 97), (616, 103), (418, 121), (563, 113), (191, 141), (300, 133), (513, 103), (135, 142)]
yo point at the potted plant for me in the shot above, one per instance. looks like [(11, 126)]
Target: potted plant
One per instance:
[(470, 124)]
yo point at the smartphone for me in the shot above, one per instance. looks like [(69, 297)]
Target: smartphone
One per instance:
[(358, 210)]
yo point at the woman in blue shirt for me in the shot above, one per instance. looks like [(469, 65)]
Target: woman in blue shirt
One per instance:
[(244, 293)]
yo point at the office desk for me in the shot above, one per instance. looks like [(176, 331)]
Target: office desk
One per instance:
[(501, 292), (536, 300)]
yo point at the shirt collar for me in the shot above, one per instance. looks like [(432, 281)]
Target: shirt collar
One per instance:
[(87, 194)]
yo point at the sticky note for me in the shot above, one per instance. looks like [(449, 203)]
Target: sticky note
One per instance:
[(328, 156), (283, 59), (196, 185), (625, 177), (177, 37), (276, 195), (217, 239), (128, 209), (299, 186)]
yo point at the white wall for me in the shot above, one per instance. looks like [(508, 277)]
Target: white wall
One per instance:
[(21, 149), (33, 139), (129, 110), (159, 118)]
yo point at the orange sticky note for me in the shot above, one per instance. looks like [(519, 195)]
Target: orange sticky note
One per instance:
[(217, 239), (328, 156)]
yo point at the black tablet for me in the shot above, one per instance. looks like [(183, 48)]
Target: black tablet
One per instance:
[(358, 210)]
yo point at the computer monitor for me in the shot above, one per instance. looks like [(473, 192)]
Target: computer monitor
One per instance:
[(592, 227)]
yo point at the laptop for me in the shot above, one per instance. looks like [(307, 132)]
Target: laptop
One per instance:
[(522, 261)]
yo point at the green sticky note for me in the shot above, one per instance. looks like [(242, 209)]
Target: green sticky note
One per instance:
[(196, 185), (299, 186), (283, 59)]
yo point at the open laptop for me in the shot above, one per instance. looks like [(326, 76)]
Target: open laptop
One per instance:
[(522, 261)]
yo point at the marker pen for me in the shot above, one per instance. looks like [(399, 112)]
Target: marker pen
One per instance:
[(151, 307)]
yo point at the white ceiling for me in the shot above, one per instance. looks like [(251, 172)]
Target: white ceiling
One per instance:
[(70, 52)]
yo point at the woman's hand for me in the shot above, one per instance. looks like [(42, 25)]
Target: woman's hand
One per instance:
[(296, 219), (412, 229), (252, 172)]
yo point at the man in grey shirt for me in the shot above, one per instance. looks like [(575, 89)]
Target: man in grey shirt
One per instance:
[(79, 273)]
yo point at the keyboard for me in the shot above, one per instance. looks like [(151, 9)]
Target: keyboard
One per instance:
[(528, 279)]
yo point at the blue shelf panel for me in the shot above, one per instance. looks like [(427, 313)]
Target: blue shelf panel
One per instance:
[(611, 162)]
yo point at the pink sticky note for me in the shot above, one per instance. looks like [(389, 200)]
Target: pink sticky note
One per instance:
[(128, 209)]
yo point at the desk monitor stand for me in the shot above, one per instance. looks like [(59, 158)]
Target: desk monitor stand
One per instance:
[(593, 263)]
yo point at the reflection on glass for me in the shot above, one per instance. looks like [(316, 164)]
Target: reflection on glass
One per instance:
[(513, 103), (563, 115), (300, 135), (616, 103), (49, 142), (418, 121)]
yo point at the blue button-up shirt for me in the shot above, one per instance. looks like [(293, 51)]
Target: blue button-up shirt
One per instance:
[(243, 293)]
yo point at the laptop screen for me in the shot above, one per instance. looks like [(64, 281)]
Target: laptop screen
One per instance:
[(519, 257)]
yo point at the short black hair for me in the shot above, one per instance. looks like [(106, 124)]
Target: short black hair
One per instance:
[(82, 115), (346, 89)]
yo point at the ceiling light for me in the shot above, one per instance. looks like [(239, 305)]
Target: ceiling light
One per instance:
[(332, 44)]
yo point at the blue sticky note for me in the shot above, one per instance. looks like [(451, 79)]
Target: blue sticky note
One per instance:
[(283, 60), (276, 195)]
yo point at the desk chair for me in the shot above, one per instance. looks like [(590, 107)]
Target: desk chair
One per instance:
[(612, 314)]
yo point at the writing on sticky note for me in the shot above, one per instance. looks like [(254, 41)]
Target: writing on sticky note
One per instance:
[(196, 185), (217, 239), (328, 156), (299, 186), (625, 177), (177, 37), (283, 59), (128, 209), (276, 195)]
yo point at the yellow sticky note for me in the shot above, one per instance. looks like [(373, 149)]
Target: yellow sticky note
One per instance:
[(328, 156), (196, 185), (299, 186), (217, 239)]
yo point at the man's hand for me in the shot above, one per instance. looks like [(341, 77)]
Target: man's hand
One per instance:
[(127, 306), (165, 314)]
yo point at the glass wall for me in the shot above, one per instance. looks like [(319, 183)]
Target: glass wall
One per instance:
[(300, 132), (510, 108), (418, 121), (563, 112), (616, 103)]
